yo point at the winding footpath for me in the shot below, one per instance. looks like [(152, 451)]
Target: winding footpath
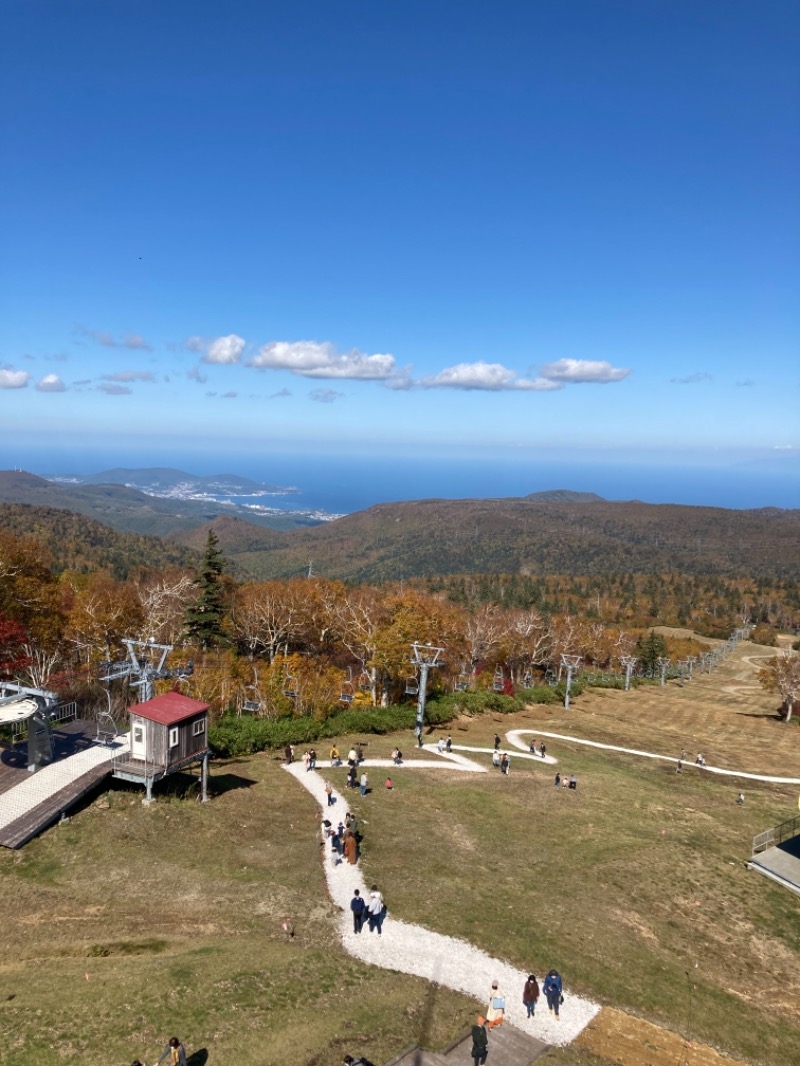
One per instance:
[(412, 949), (515, 739), (447, 960)]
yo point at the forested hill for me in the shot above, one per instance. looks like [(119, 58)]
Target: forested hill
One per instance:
[(73, 542), (519, 536)]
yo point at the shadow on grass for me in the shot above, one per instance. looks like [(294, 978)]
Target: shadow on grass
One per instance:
[(221, 783), (198, 1058)]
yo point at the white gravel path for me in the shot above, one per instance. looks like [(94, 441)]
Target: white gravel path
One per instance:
[(445, 960), (515, 738)]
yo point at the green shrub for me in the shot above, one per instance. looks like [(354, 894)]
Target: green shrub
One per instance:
[(234, 735)]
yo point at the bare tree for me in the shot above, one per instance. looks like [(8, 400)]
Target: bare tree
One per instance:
[(781, 674)]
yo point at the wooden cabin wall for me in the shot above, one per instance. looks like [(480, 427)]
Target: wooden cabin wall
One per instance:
[(189, 743)]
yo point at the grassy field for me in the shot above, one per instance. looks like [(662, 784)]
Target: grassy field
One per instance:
[(128, 924)]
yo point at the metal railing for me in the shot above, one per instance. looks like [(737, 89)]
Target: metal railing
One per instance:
[(771, 838)]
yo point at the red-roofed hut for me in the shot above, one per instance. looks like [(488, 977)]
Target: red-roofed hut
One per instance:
[(168, 733)]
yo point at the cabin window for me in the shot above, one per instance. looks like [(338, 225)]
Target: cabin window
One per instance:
[(173, 737), (138, 734), (199, 727)]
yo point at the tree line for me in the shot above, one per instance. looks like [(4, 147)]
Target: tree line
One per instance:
[(307, 647)]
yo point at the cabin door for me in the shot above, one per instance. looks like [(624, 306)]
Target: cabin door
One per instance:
[(138, 739)]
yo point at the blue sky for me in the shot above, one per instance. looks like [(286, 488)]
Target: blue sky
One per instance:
[(521, 229)]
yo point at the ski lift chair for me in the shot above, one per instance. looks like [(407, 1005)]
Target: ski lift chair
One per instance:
[(290, 687), (364, 682), (412, 686), (499, 680), (107, 731)]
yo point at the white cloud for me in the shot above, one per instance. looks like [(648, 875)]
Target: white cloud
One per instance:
[(229, 395), (279, 394), (583, 371), (51, 383), (691, 379), (325, 395), (196, 374), (224, 350), (129, 340), (130, 375), (489, 377), (315, 359), (14, 379), (111, 389), (195, 344)]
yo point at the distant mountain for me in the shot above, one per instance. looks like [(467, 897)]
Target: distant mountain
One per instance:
[(75, 542), (235, 537), (164, 479), (564, 496), (129, 509), (519, 536)]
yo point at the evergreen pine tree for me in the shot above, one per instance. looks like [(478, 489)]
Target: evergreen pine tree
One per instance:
[(649, 649), (203, 620)]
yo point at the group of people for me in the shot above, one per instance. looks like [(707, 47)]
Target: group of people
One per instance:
[(566, 782), (372, 910), (501, 762), (542, 748), (496, 1010), (444, 745), (345, 839)]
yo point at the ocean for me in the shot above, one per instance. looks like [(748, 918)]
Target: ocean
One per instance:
[(343, 484)]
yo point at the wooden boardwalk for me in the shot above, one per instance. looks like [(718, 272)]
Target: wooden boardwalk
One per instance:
[(31, 802), (507, 1047)]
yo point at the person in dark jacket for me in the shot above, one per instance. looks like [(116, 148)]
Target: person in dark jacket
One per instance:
[(530, 994), (358, 907), (480, 1042), (552, 990)]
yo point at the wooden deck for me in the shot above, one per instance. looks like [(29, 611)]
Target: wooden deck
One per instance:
[(68, 738), (31, 802), (20, 831)]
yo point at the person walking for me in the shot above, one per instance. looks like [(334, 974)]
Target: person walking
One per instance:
[(376, 909), (496, 1011), (542, 749), (480, 1042), (357, 906), (495, 758), (557, 781), (530, 994), (496, 742), (312, 759), (448, 744), (335, 757), (364, 783), (288, 753), (532, 748), (174, 1053), (553, 988), (350, 847), (329, 793), (505, 764)]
